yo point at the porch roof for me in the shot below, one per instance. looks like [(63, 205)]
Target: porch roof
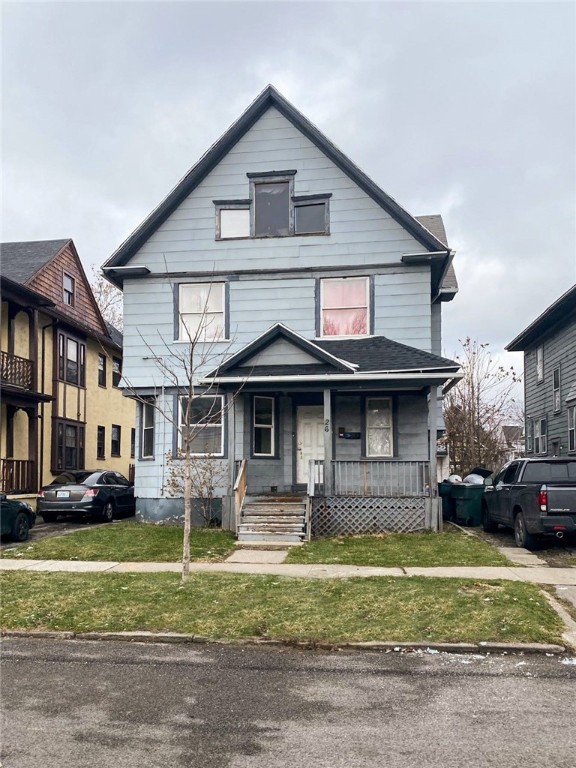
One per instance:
[(373, 358)]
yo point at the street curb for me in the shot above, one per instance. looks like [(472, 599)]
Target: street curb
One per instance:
[(371, 645)]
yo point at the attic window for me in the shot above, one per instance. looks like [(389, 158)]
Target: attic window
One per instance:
[(272, 210), (68, 285)]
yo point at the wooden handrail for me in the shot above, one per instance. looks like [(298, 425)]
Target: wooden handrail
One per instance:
[(240, 491)]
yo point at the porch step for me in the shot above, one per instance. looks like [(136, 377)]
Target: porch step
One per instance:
[(272, 538), (274, 519)]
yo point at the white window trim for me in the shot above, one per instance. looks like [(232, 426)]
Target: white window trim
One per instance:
[(556, 404), (572, 427), (367, 410), (144, 428), (182, 336), (271, 427), (219, 410), (539, 364), (325, 280), (540, 437)]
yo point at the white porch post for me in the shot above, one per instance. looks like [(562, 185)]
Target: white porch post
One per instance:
[(327, 442), (435, 517)]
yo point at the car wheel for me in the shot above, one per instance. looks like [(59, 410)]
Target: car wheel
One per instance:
[(21, 527), (521, 536), (488, 525), (48, 517), (107, 514)]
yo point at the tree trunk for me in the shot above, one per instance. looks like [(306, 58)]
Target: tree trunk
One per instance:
[(187, 518)]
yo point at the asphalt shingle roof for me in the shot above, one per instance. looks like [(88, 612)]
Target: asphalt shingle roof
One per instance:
[(378, 353), (20, 261)]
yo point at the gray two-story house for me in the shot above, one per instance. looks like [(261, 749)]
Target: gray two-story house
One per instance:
[(549, 346), (311, 302)]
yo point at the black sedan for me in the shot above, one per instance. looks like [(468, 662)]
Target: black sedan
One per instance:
[(100, 495), (16, 518)]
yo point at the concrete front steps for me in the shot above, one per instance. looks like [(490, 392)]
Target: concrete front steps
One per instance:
[(272, 520)]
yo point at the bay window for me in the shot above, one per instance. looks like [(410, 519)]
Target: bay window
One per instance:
[(71, 360)]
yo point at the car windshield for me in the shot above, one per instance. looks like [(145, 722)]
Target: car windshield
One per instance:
[(75, 478), (546, 472)]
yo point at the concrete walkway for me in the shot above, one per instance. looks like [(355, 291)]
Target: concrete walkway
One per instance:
[(533, 575)]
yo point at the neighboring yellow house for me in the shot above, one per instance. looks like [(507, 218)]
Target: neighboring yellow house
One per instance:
[(61, 364)]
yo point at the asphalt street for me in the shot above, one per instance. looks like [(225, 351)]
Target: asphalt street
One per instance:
[(75, 704)]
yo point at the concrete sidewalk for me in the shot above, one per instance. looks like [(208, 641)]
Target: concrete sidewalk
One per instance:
[(533, 575)]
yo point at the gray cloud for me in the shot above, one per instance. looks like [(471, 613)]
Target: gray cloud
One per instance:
[(464, 109)]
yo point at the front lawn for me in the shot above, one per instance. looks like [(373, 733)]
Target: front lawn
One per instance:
[(128, 542), (239, 606), (425, 549)]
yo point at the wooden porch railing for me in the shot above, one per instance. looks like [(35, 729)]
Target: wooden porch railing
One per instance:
[(18, 476), (240, 491), (391, 478), (17, 371)]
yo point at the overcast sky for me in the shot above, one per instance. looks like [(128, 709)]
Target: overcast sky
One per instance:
[(464, 109)]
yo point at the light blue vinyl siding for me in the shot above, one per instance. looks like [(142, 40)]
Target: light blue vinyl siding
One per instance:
[(361, 232)]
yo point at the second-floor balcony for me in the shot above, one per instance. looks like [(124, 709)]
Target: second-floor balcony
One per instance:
[(16, 371)]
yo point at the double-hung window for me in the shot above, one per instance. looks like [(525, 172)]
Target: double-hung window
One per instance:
[(540, 364), (101, 443), (556, 390), (68, 287), (101, 370), (540, 436), (379, 437), (147, 430), (263, 426), (201, 422), (345, 307), (572, 428), (201, 311), (116, 371), (68, 445), (115, 441), (71, 360)]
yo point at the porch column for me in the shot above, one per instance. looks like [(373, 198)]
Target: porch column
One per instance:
[(232, 439), (435, 517), (327, 442)]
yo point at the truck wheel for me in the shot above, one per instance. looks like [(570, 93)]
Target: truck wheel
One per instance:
[(521, 536), (488, 525)]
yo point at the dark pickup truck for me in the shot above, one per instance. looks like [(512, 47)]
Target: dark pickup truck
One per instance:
[(535, 497)]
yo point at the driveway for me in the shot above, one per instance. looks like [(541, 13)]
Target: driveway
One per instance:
[(558, 553), (42, 530)]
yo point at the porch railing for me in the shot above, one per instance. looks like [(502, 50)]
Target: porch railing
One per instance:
[(18, 476), (17, 371), (391, 478), (240, 491)]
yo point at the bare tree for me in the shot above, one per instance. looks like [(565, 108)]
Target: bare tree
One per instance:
[(198, 417), (477, 407), (108, 298)]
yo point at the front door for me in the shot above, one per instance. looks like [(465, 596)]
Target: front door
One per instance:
[(309, 438)]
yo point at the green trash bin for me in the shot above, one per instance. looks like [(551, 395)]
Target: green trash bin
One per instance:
[(445, 493), (467, 503)]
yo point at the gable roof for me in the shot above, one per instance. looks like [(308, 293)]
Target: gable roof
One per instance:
[(21, 261), (335, 357), (269, 97), (326, 361), (558, 314)]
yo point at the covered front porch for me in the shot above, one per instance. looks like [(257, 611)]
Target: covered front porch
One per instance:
[(349, 425)]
